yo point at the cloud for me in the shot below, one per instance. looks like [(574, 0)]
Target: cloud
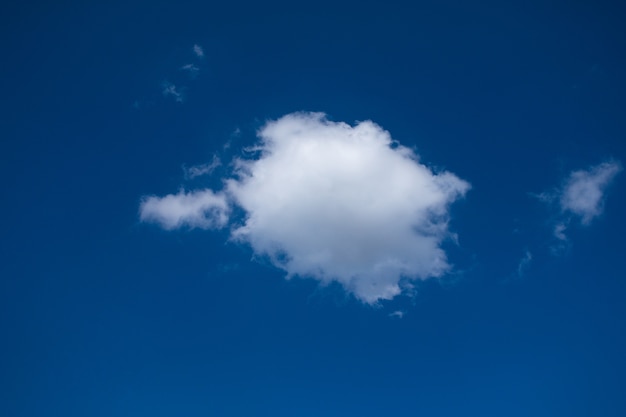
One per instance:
[(170, 90), (584, 191), (333, 202), (559, 231), (580, 197), (397, 314), (191, 69), (197, 49), (524, 263), (203, 169), (200, 209)]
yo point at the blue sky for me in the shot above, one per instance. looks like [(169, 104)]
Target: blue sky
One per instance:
[(328, 209)]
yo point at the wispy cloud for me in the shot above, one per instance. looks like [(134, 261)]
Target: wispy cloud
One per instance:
[(174, 90), (198, 50), (524, 263), (202, 169), (397, 314), (233, 135), (170, 90), (581, 196), (559, 231), (333, 202), (191, 69), (584, 191)]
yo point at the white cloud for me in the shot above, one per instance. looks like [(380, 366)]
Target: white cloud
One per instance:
[(202, 209), (581, 196), (170, 90), (203, 169), (191, 69), (584, 191), (397, 314), (335, 202), (197, 49)]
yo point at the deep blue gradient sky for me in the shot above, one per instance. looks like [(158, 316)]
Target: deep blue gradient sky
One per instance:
[(101, 315)]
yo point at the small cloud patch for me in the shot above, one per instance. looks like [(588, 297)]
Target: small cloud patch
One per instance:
[(581, 197), (170, 90), (524, 263), (198, 51), (191, 69), (200, 209), (584, 191)]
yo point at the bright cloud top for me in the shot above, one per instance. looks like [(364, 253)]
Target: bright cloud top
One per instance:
[(584, 191), (333, 202)]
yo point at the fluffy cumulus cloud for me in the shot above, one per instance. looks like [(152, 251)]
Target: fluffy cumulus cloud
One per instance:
[(333, 202)]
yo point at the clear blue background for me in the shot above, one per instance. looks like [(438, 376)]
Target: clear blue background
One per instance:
[(103, 316)]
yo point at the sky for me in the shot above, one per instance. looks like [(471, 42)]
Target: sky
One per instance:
[(329, 209)]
